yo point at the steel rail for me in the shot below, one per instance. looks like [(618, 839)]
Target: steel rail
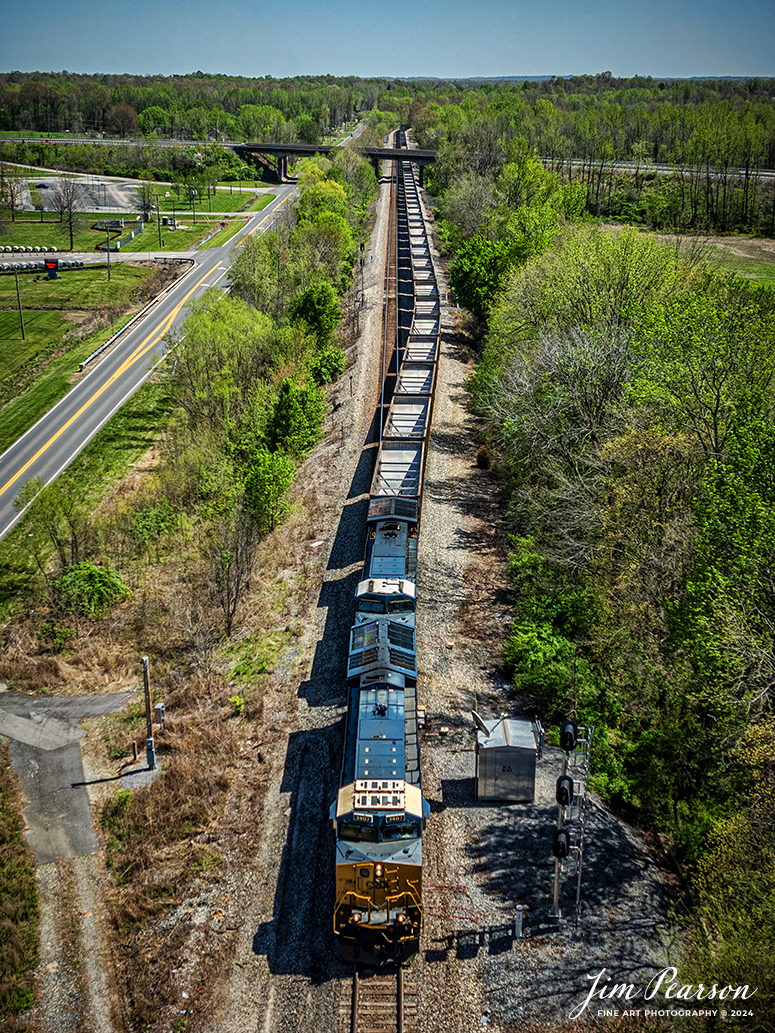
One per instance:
[(378, 1004)]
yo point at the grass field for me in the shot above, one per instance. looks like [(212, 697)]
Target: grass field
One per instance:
[(224, 200), (751, 257), (187, 235), (29, 231)]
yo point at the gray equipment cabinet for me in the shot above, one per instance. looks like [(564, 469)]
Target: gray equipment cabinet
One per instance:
[(506, 760)]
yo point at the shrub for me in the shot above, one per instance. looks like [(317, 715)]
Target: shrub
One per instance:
[(327, 366), (154, 521), (297, 420), (90, 590), (318, 306), (56, 634)]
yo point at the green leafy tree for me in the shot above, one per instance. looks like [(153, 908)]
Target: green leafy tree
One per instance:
[(327, 365), (732, 934), (57, 519), (297, 422), (318, 306), (268, 480), (308, 129), (477, 271), (705, 360)]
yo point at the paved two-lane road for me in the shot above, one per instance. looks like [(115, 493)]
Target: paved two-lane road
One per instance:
[(57, 438)]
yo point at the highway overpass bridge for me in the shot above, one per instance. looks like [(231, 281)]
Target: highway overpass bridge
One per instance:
[(281, 152)]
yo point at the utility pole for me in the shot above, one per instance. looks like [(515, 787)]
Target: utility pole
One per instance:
[(107, 248), (150, 751), (571, 794), (19, 302), (158, 221)]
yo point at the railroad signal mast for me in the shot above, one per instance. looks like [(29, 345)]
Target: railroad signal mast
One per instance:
[(572, 794)]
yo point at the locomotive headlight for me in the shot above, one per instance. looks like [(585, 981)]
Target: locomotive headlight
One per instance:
[(378, 871), (355, 917), (400, 919)]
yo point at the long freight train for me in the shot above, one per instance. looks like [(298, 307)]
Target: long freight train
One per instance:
[(379, 812)]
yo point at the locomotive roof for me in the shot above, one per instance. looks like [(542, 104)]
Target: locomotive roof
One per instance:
[(380, 748)]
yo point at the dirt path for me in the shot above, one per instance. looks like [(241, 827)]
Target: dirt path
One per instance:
[(75, 991)]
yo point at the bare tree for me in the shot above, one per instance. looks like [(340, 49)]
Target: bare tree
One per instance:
[(231, 545), (147, 197), (123, 117), (68, 199), (16, 189)]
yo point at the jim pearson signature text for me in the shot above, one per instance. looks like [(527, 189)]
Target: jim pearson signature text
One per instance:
[(663, 983)]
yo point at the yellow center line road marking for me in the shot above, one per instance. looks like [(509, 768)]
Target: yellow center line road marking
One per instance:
[(142, 349), (260, 224)]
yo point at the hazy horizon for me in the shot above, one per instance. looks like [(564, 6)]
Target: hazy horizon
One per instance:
[(669, 39)]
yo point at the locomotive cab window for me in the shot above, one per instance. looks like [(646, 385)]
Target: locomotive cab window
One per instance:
[(357, 833), (406, 830), (400, 606), (370, 606)]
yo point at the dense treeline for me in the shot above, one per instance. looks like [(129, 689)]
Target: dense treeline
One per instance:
[(186, 107), (716, 136), (630, 395), (627, 394), (720, 134)]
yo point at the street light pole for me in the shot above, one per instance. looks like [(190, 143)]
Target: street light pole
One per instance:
[(19, 302)]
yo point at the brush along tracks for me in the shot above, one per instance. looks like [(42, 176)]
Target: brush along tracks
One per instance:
[(379, 1002)]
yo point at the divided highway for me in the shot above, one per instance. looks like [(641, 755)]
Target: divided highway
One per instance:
[(57, 438)]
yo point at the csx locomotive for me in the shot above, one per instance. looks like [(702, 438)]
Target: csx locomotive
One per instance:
[(379, 812)]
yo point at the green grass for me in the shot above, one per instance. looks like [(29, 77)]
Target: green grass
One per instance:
[(75, 290), (187, 235), (257, 656), (36, 373), (18, 900), (232, 226), (751, 266), (224, 200), (29, 233), (122, 441)]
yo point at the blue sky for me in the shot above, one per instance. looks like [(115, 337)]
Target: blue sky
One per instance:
[(444, 38)]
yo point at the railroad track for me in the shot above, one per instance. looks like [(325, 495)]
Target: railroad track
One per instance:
[(382, 1001)]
